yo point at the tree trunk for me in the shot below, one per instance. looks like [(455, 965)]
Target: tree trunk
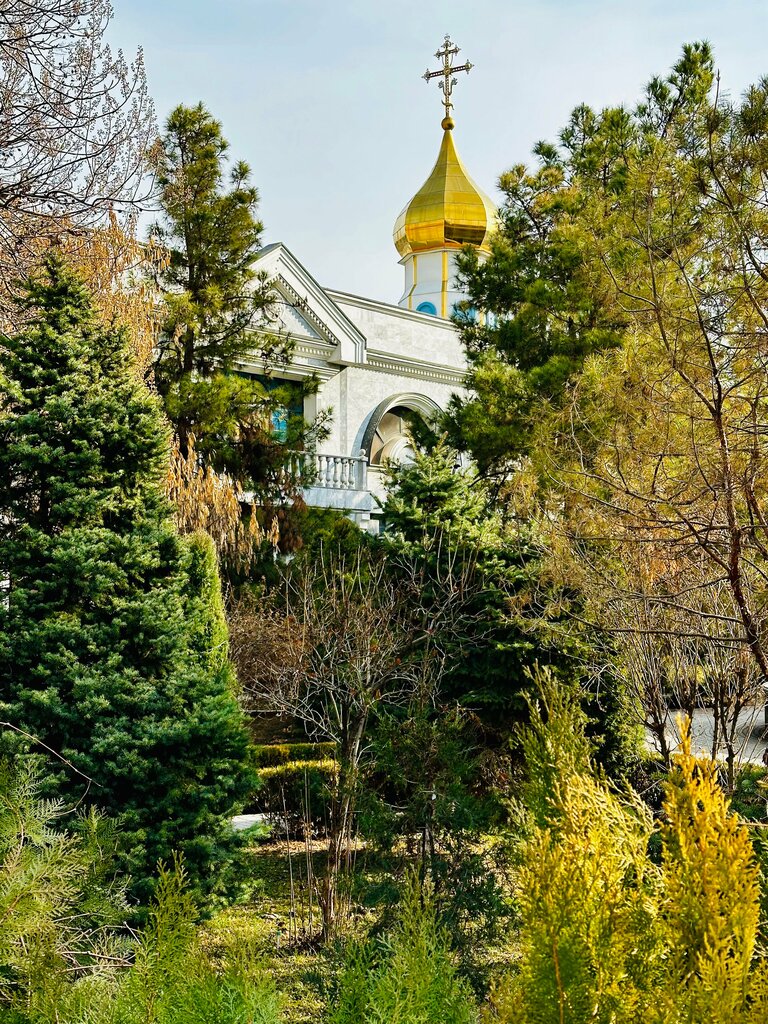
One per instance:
[(332, 907)]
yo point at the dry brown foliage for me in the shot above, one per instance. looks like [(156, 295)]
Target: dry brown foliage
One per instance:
[(215, 503), (116, 266)]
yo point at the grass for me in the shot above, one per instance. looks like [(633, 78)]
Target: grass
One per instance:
[(272, 929)]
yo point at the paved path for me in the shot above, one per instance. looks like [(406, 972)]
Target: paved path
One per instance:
[(751, 740), (243, 821)]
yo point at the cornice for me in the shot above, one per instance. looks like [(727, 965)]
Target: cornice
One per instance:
[(422, 319), (403, 367)]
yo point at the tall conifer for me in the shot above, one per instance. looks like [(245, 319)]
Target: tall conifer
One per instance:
[(218, 310), (112, 647)]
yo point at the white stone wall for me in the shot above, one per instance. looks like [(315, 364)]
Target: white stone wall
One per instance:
[(362, 390), (365, 353), (401, 333)]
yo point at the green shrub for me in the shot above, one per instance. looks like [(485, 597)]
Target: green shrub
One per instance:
[(415, 980), (297, 792), (60, 903), (170, 982), (750, 792)]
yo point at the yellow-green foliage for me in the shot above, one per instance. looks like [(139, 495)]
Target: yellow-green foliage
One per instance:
[(608, 935), (268, 754), (711, 897), (291, 768), (171, 981), (57, 894), (411, 978), (297, 789)]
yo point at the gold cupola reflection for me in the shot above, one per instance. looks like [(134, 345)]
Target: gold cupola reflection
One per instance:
[(448, 212)]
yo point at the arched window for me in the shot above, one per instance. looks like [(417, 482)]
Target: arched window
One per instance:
[(388, 428), (427, 307), (392, 438)]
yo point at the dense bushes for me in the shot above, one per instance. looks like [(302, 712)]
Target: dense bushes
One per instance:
[(610, 934), (268, 755), (295, 780), (65, 954)]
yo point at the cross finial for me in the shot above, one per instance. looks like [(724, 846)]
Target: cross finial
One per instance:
[(446, 51)]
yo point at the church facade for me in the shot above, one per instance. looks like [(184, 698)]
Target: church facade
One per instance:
[(378, 363)]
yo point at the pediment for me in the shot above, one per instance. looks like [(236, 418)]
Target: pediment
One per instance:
[(305, 311), (293, 316)]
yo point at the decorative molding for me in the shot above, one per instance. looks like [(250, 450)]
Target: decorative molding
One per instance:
[(279, 262), (404, 367), (294, 371), (304, 312)]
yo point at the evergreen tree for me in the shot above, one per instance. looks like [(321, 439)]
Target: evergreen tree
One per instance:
[(541, 319), (215, 301), (112, 640), (445, 520), (547, 302), (439, 518), (415, 980), (59, 900), (607, 934), (619, 381)]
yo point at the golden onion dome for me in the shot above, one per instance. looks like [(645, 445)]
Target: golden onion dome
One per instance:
[(449, 210)]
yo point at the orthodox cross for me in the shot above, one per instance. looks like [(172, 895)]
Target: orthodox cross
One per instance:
[(446, 51)]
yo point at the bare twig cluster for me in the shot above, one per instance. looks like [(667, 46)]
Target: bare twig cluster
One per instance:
[(76, 123), (347, 638)]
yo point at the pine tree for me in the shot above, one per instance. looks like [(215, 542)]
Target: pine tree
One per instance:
[(112, 642), (60, 904), (215, 302)]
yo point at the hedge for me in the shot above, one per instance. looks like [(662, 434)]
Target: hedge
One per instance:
[(270, 754), (286, 789)]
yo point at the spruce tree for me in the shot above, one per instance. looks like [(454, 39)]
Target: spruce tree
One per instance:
[(447, 521), (112, 641), (441, 519)]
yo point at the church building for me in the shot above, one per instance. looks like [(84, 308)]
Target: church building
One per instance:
[(378, 363)]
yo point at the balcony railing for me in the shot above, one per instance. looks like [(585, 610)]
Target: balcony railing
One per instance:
[(335, 472)]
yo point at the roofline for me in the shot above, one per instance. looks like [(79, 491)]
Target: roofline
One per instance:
[(325, 298), (391, 308)]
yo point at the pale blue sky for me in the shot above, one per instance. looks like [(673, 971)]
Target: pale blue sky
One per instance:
[(325, 99)]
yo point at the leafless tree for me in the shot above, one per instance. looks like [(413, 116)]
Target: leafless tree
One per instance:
[(672, 636), (76, 123), (347, 637)]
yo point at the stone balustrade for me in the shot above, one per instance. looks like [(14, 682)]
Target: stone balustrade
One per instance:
[(334, 472)]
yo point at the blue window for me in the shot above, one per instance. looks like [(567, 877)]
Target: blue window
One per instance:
[(463, 313), (427, 307), (279, 418)]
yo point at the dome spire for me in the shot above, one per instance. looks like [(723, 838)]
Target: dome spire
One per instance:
[(446, 72), (448, 212)]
